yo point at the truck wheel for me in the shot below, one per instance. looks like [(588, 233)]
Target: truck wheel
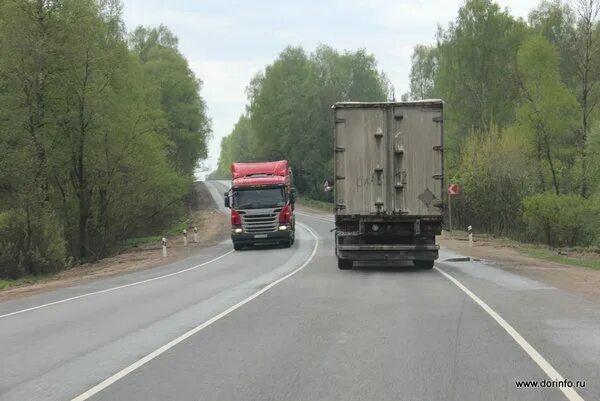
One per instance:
[(237, 247), (424, 264), (344, 264), (288, 243)]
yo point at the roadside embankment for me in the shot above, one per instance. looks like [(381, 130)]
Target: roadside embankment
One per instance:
[(213, 227)]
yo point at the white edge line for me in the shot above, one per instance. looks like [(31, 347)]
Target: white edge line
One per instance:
[(114, 288), (570, 393), (124, 372)]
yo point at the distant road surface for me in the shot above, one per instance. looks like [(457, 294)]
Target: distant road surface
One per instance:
[(286, 324)]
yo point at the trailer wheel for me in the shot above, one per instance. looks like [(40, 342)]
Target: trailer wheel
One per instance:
[(344, 264), (424, 264)]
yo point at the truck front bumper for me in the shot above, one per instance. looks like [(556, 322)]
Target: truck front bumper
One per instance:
[(263, 238), (388, 252)]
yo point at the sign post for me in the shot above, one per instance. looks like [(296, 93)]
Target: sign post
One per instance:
[(453, 189)]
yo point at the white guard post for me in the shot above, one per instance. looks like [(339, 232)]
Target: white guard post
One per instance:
[(184, 237), (164, 247), (470, 231), (196, 234)]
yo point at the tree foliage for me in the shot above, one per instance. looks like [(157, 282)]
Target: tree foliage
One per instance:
[(522, 127), (188, 127), (476, 66), (423, 72), (289, 114), (87, 138)]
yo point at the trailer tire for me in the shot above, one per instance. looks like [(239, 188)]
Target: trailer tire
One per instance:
[(424, 264), (344, 264)]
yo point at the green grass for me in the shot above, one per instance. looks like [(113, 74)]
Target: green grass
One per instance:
[(135, 242), (315, 204), (8, 283), (179, 227), (126, 244), (547, 254), (175, 229)]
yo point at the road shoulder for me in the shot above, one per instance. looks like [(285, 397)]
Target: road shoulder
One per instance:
[(213, 227), (576, 280)]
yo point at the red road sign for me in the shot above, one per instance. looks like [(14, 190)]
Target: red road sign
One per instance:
[(453, 189)]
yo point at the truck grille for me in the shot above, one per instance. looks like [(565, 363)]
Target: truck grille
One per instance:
[(260, 223)]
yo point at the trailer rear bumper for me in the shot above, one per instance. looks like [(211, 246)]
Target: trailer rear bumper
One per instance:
[(387, 252)]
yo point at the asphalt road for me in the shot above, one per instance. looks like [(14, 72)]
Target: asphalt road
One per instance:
[(286, 324)]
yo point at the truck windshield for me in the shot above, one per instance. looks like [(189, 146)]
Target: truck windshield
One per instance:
[(258, 198)]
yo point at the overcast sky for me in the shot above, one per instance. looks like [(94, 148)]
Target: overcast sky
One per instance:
[(227, 42)]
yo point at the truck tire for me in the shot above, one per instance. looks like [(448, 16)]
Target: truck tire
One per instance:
[(424, 264), (344, 264), (288, 243), (237, 247)]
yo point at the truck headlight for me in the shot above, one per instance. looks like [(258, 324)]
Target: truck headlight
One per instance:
[(282, 228), (238, 230), (375, 227)]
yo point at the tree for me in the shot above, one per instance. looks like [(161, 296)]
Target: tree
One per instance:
[(555, 21), (588, 74), (548, 109), (188, 126), (236, 147), (422, 72), (289, 109), (87, 160), (476, 67)]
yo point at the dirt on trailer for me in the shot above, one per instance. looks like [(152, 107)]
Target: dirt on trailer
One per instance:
[(213, 227), (508, 256)]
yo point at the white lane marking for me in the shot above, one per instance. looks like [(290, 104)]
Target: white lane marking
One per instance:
[(570, 393), (124, 372), (315, 217), (89, 294)]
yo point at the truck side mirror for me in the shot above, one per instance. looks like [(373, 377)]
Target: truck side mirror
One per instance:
[(293, 196), (226, 199)]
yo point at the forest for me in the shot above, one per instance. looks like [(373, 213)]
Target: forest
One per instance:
[(101, 131), (522, 122)]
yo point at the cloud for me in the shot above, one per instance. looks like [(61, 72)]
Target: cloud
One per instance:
[(228, 41), (226, 80)]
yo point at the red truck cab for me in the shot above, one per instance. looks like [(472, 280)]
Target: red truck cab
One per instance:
[(261, 200)]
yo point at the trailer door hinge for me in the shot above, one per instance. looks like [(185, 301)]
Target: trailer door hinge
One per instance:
[(339, 149), (438, 119), (438, 148), (437, 176)]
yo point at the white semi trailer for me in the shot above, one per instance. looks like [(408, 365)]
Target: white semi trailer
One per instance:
[(389, 180)]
